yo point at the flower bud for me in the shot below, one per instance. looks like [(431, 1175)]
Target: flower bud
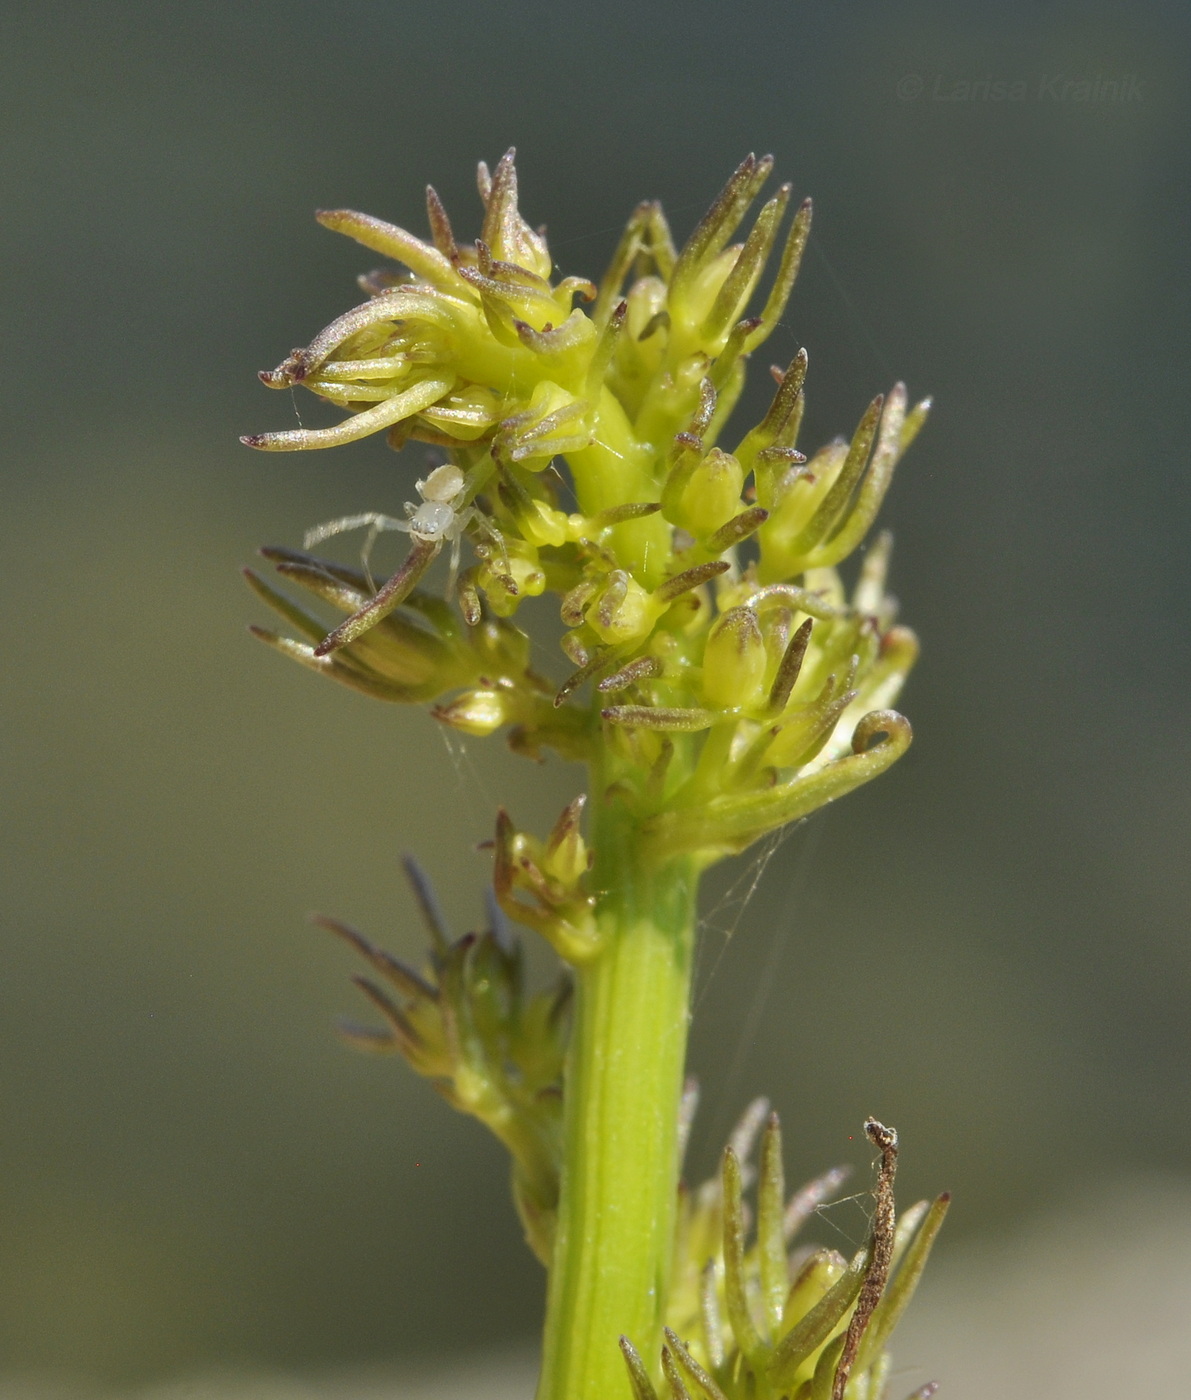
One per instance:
[(497, 573), (623, 611), (477, 712), (712, 496), (566, 857), (734, 661)]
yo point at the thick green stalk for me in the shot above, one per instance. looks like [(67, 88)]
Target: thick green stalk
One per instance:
[(612, 1253)]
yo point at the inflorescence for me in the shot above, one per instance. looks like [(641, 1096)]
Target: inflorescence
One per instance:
[(720, 681), (739, 682)]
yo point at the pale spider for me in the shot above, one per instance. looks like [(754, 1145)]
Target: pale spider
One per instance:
[(439, 518)]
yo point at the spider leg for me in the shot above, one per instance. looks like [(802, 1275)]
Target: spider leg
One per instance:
[(348, 522), (493, 532), (456, 555)]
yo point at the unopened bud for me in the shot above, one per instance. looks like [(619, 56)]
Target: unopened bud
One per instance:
[(474, 712), (734, 660), (508, 580), (566, 854), (623, 611), (712, 496)]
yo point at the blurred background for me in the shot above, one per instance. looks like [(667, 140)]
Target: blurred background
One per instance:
[(989, 948)]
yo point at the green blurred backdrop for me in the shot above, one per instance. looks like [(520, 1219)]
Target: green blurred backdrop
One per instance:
[(989, 948)]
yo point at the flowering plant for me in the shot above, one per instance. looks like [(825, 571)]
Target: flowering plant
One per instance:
[(722, 682)]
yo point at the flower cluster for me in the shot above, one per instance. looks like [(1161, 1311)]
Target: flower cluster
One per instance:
[(721, 679), (466, 1023), (732, 683), (767, 1319)]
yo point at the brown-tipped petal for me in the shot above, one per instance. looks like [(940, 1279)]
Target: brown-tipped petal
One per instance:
[(916, 417), (366, 682), (787, 272), (709, 1315), (427, 901), (744, 1135), (703, 1382), (567, 824), (605, 656), (738, 529), (392, 595), (708, 238), (853, 524), (574, 603), (573, 332), (690, 578), (408, 982), (305, 622), (369, 1039), (782, 595), (739, 283), (678, 1390), (617, 515), (502, 855), (682, 463), (358, 425), (289, 372), (622, 259), (674, 719), (779, 427), (282, 555), (706, 409), (392, 1013), (901, 1290), (440, 226), (734, 348), (717, 226), (615, 592), (735, 1287), (789, 668), (789, 387), (501, 199), (605, 348), (643, 668), (323, 585), (638, 1375), (835, 503), (771, 1244), (870, 586), (806, 1336), (428, 262)]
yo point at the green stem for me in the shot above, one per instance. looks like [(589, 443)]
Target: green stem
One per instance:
[(615, 1233)]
